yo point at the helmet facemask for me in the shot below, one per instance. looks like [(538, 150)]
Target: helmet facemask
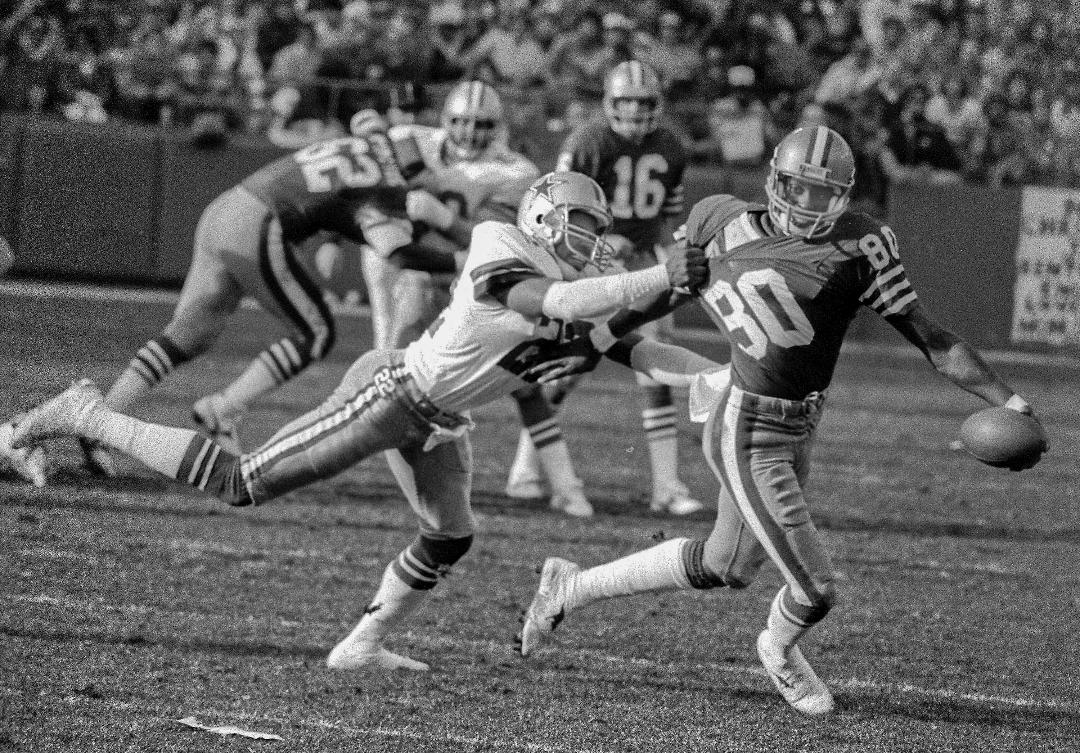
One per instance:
[(575, 245), (803, 206), (471, 137), (633, 118)]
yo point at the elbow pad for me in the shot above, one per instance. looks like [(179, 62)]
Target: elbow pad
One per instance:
[(597, 296)]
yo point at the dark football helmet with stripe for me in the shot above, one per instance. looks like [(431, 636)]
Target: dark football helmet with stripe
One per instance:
[(810, 179), (472, 117), (633, 101)]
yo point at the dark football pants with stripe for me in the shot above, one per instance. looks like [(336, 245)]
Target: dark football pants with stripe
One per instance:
[(368, 413), (760, 451), (239, 250)]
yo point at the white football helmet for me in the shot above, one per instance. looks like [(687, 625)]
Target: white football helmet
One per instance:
[(544, 216), (472, 117), (811, 175), (633, 101)]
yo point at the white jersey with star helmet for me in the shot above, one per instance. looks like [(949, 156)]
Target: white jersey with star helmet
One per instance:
[(497, 179), (477, 349)]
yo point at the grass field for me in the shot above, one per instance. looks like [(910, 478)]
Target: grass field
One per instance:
[(129, 604)]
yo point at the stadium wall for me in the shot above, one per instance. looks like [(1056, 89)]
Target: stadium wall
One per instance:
[(121, 204)]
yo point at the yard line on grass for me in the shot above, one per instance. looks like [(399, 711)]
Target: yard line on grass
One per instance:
[(218, 716), (501, 650), (114, 294)]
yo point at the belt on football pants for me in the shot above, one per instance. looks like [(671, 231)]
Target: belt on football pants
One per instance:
[(808, 406), (419, 401)]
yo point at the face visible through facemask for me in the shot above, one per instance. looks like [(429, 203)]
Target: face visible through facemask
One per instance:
[(581, 245)]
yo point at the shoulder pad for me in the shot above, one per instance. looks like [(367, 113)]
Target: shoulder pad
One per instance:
[(710, 215)]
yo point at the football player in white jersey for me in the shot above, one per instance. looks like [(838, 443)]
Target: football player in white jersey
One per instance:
[(472, 175), (522, 288)]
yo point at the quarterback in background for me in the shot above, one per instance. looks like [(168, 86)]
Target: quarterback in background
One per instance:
[(523, 286), (640, 165), (785, 281)]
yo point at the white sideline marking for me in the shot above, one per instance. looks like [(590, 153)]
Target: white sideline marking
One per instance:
[(92, 292), (504, 650), (232, 716)]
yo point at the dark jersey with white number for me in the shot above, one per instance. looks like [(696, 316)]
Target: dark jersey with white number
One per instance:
[(786, 302), (332, 185), (642, 182)]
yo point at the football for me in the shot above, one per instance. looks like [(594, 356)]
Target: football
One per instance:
[(1003, 438)]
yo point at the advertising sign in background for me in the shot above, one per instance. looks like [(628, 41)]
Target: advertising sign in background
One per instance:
[(1045, 298)]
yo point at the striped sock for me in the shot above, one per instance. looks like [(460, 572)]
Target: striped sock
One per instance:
[(163, 448), (661, 435), (547, 438), (415, 567), (153, 362), (271, 368), (789, 620)]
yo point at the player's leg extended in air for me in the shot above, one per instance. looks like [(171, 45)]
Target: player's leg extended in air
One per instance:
[(377, 407), (759, 449), (238, 250)]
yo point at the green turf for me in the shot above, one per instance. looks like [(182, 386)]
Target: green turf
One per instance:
[(126, 605)]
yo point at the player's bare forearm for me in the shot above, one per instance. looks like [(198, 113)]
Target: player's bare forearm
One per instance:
[(953, 357)]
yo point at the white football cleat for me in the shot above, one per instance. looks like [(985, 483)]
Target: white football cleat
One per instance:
[(218, 420), (28, 463), (98, 458), (571, 501), (548, 607), (69, 414), (675, 499), (794, 677), (351, 654)]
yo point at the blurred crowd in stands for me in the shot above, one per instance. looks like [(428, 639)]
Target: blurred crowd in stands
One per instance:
[(938, 90)]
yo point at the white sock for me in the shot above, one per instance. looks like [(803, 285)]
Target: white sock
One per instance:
[(526, 465), (274, 366), (154, 445), (558, 467), (785, 632), (659, 568), (392, 604)]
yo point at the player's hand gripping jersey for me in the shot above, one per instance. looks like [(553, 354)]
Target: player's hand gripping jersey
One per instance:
[(642, 180), (478, 349), (341, 185), (786, 301), (496, 180)]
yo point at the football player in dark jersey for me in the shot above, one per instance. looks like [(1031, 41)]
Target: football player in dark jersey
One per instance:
[(785, 282), (247, 243), (639, 164)]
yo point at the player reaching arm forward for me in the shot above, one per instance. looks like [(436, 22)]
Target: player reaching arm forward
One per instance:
[(522, 288), (785, 282)]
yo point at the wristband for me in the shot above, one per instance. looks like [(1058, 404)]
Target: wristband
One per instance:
[(602, 338), (1018, 404)]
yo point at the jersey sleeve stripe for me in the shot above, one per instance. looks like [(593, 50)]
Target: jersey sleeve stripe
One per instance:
[(880, 280), (899, 305), (490, 278), (888, 296)]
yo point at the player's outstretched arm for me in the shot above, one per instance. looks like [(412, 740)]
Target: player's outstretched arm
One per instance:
[(423, 206), (955, 359), (595, 297)]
